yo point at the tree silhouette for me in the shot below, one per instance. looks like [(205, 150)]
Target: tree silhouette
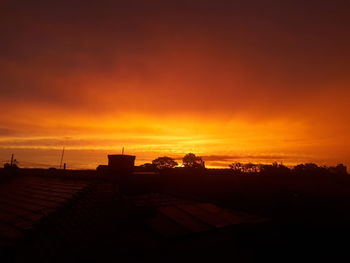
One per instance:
[(236, 166), (164, 162), (245, 168), (274, 168), (309, 169), (340, 169), (148, 166), (190, 160), (13, 164), (250, 168)]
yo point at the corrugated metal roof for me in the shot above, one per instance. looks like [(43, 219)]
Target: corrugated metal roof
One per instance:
[(176, 216), (25, 200)]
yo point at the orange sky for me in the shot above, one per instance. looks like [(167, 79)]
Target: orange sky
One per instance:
[(228, 81)]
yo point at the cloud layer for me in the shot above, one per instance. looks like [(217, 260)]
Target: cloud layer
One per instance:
[(238, 74)]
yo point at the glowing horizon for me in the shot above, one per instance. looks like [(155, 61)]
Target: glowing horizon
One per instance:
[(148, 138)]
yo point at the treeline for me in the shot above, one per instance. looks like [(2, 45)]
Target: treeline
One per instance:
[(192, 161), (300, 169)]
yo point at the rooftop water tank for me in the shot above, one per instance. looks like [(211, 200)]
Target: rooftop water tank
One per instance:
[(121, 162)]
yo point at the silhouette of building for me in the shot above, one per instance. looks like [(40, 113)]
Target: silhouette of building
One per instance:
[(119, 163)]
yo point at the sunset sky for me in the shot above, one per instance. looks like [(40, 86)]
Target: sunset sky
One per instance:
[(251, 81)]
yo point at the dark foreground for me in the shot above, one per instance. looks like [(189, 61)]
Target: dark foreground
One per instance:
[(80, 217)]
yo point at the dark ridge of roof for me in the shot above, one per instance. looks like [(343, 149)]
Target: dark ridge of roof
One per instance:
[(25, 200)]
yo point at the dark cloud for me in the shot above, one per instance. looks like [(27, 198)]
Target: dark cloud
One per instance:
[(143, 54), (233, 158), (7, 132)]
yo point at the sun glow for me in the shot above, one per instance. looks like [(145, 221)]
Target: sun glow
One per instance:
[(153, 136)]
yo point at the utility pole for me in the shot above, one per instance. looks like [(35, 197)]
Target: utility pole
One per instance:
[(11, 160), (62, 158)]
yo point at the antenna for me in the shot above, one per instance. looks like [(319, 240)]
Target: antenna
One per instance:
[(11, 159), (62, 157), (123, 151)]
